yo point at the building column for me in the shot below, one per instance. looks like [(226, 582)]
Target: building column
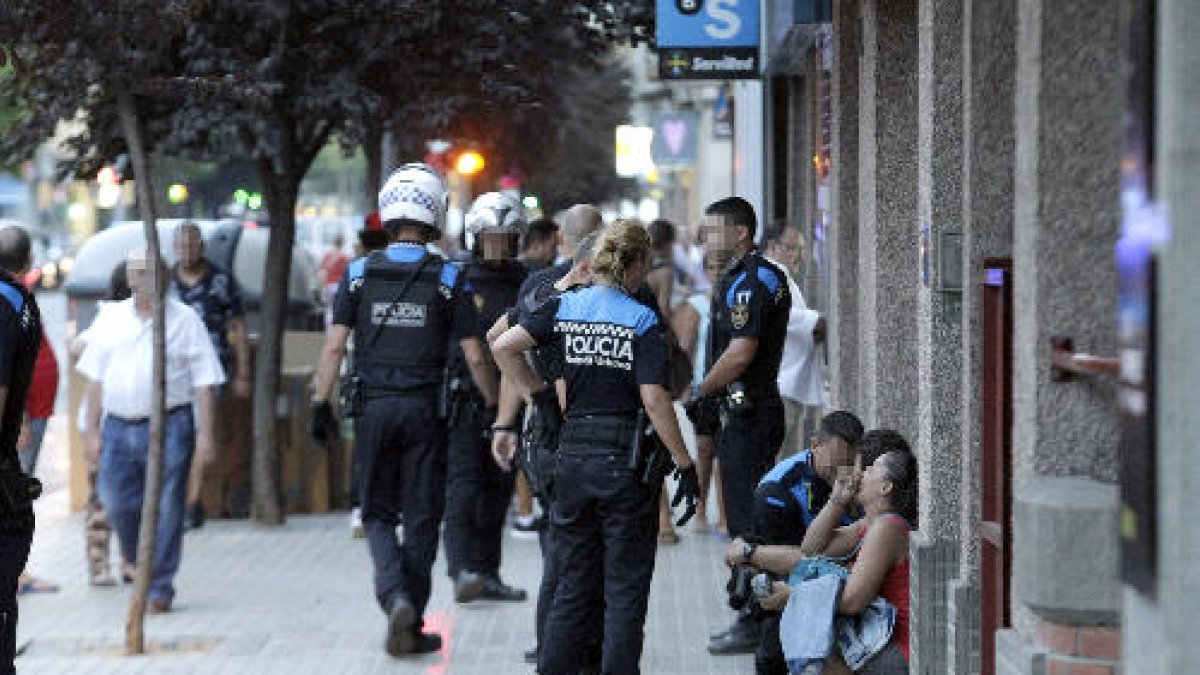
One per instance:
[(842, 334), (1157, 634), (1069, 106), (939, 334), (888, 218), (989, 64)]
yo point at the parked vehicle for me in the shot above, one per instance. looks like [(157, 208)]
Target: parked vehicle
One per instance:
[(228, 244)]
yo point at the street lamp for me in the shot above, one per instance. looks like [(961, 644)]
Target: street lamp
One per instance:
[(469, 163)]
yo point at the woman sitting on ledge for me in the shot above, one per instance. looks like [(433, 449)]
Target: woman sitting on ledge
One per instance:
[(887, 490)]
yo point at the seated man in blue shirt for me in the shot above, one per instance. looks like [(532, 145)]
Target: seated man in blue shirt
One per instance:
[(793, 492), (786, 500)]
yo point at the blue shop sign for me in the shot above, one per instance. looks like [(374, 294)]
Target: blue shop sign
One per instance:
[(708, 39)]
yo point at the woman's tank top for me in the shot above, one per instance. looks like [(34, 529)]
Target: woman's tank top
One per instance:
[(894, 589)]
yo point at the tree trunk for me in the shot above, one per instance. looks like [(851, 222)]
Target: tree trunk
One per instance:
[(281, 193), (134, 634), (373, 149)]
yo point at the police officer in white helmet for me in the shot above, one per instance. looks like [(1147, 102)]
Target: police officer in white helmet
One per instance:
[(406, 307), (478, 491)]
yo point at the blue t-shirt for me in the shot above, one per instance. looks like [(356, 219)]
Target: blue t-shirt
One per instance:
[(610, 344)]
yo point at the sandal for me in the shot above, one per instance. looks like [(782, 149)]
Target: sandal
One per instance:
[(31, 584), (101, 576)]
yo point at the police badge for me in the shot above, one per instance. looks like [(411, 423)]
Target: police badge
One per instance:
[(739, 315)]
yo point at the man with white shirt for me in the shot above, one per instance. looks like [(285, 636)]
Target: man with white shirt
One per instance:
[(800, 382), (118, 362)]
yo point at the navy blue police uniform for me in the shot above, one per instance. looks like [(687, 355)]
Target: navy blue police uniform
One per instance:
[(405, 306), (539, 445), (20, 338), (604, 518), (477, 490), (751, 301)]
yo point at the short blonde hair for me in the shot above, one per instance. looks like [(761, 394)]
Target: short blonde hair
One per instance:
[(620, 245)]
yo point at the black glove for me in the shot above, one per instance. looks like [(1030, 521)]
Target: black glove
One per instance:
[(688, 491), (322, 425), (545, 403), (705, 414)]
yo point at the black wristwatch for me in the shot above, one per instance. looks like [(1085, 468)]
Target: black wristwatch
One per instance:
[(504, 427), (748, 550)]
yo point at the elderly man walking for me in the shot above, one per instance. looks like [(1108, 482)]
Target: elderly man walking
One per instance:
[(118, 362)]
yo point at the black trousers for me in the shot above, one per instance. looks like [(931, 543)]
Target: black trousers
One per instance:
[(477, 496), (403, 472), (746, 447), (604, 528), (545, 600), (16, 534)]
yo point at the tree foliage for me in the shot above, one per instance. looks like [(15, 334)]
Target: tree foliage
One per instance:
[(274, 80)]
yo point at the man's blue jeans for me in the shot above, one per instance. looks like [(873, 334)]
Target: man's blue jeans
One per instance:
[(122, 484)]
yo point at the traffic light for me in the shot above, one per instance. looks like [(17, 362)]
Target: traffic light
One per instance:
[(469, 163)]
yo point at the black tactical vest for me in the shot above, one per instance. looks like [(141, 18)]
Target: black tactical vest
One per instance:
[(496, 289), (403, 313)]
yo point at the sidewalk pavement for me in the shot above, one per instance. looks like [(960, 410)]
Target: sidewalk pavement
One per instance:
[(297, 599)]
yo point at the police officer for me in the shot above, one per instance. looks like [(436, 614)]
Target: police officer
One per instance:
[(748, 326), (616, 372), (405, 306), (477, 490), (20, 336)]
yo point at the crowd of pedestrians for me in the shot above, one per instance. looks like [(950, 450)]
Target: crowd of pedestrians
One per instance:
[(551, 362)]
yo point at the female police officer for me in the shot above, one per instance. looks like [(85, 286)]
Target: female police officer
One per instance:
[(605, 513)]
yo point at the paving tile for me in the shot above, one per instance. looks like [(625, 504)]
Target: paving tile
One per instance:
[(298, 600)]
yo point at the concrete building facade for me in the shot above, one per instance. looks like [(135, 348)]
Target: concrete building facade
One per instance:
[(974, 200)]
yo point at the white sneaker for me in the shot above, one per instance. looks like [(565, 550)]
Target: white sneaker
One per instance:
[(356, 526), (526, 527)]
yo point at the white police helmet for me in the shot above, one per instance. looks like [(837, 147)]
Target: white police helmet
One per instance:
[(493, 212), (415, 193)]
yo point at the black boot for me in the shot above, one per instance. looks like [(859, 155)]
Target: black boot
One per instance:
[(468, 586), (494, 589), (402, 627)]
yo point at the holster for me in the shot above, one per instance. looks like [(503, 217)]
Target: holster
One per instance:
[(539, 444), (353, 397), (455, 388), (657, 462), (737, 401)]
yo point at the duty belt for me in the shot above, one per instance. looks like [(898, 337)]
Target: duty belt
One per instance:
[(399, 392), (595, 431)]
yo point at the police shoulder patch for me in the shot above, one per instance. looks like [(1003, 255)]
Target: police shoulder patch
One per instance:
[(739, 316)]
